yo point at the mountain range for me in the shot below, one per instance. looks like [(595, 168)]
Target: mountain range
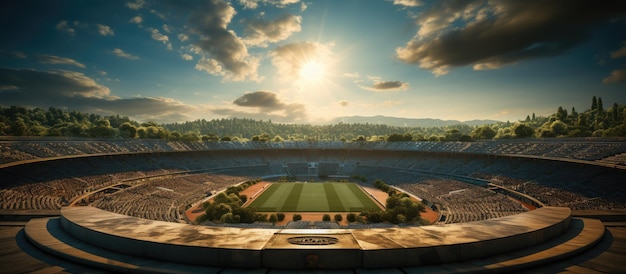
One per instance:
[(407, 122)]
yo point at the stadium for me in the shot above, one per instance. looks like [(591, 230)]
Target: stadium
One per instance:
[(529, 205)]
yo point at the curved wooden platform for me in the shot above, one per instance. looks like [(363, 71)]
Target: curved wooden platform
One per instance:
[(252, 248)]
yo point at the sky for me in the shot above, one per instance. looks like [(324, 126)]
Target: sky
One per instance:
[(293, 61)]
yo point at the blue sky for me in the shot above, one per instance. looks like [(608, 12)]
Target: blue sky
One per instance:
[(310, 61)]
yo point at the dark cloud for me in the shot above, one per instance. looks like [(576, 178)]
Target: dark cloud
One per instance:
[(263, 99), (75, 91), (209, 21), (253, 4), (265, 105), (56, 60), (259, 32), (53, 85), (385, 85), (617, 76), (491, 34), (390, 85)]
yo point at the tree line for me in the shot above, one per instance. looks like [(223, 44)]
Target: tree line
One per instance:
[(597, 121)]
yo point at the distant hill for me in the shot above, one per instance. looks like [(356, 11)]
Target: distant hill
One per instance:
[(407, 122)]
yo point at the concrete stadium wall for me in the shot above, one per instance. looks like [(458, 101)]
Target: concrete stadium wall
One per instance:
[(320, 248)]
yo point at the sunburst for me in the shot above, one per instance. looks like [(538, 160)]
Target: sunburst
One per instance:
[(312, 71)]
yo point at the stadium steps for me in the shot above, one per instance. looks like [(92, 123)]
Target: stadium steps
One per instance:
[(13, 223), (583, 234), (48, 235), (611, 224)]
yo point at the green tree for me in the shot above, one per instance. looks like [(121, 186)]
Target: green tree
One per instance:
[(523, 131), (483, 132), (175, 136), (127, 130), (20, 128), (453, 135), (351, 217), (559, 128), (338, 218), (190, 136), (594, 103), (561, 114), (280, 216), (102, 128), (227, 218), (273, 218)]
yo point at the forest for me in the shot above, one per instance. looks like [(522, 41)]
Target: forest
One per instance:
[(597, 121)]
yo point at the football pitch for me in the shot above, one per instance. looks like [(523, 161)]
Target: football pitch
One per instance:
[(314, 197)]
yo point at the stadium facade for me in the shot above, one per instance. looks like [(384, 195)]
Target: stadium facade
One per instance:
[(584, 178)]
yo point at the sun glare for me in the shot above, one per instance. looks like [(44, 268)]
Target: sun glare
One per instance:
[(312, 71)]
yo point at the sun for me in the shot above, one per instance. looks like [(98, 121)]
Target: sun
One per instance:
[(312, 71)]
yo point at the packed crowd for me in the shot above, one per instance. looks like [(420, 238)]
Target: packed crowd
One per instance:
[(566, 193), (53, 184), (460, 202), (53, 194), (15, 151), (165, 199)]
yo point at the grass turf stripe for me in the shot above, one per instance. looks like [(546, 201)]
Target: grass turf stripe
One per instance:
[(334, 202), (313, 198), (366, 201), (264, 196), (291, 204)]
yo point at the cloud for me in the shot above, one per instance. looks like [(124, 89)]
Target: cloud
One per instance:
[(19, 54), (37, 85), (265, 105), (209, 22), (157, 36), (63, 26), (6, 87), (158, 14), (352, 75), (379, 85), (122, 54), (56, 60), (259, 32), (209, 65), (619, 53), (492, 34), (167, 28), (253, 4), (289, 59), (407, 3), (183, 37), (186, 57), (617, 76), (105, 30), (263, 99), (75, 91), (136, 20), (390, 85), (138, 4)]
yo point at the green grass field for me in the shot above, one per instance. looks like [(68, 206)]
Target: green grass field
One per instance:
[(313, 197)]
